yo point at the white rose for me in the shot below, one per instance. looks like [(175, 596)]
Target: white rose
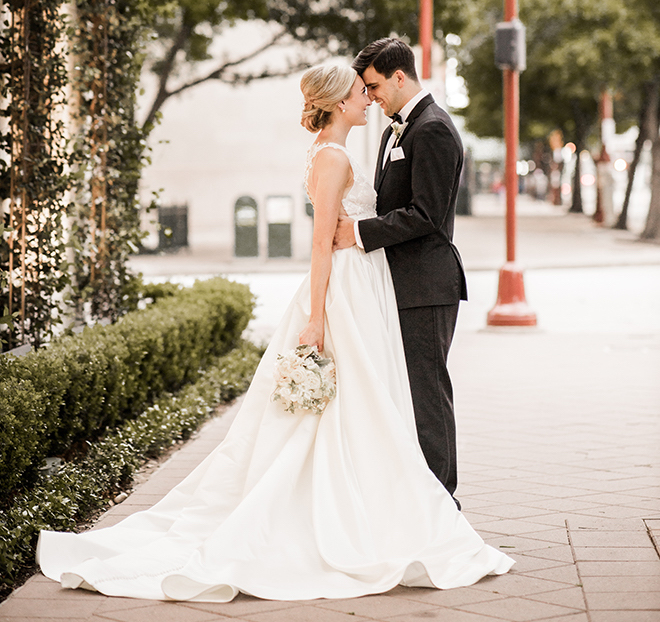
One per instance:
[(313, 382), (299, 376), (285, 368)]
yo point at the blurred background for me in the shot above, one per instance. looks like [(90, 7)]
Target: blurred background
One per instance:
[(228, 154), (227, 158), (170, 145)]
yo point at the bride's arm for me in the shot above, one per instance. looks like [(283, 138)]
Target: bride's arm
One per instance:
[(329, 178)]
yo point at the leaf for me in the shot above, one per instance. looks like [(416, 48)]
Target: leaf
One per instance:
[(8, 319)]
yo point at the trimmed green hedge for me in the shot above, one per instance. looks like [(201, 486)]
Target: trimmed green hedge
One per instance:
[(57, 398), (81, 487)]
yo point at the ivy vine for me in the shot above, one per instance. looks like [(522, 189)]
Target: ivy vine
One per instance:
[(33, 161), (69, 212), (107, 154)]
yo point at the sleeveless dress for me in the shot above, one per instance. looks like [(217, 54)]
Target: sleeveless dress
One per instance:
[(300, 506)]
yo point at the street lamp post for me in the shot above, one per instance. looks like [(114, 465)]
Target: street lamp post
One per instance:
[(426, 35), (604, 214), (511, 308)]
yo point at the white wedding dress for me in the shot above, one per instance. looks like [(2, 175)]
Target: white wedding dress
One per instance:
[(300, 506)]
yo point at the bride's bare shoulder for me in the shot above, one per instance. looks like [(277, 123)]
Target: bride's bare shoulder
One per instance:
[(331, 156), (331, 165)]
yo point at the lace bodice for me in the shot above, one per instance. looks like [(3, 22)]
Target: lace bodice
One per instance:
[(360, 201)]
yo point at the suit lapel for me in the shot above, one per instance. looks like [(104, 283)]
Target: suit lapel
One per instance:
[(414, 113), (381, 152), (383, 169)]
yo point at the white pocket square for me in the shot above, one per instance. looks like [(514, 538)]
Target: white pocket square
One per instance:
[(397, 154)]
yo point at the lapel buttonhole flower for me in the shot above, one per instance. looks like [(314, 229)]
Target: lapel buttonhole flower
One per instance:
[(397, 129)]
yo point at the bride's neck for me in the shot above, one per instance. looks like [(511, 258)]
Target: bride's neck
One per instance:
[(334, 134)]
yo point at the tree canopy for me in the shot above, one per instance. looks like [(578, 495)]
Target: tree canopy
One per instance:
[(574, 51), (186, 30)]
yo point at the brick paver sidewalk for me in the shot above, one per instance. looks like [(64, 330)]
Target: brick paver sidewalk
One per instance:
[(559, 458)]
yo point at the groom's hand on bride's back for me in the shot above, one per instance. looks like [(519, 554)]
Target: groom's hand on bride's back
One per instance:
[(344, 234)]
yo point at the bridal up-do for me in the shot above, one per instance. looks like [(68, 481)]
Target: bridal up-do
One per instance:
[(324, 87)]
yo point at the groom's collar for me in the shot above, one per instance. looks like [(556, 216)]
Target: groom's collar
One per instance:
[(410, 105)]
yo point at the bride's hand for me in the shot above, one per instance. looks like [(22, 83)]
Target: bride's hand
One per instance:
[(344, 234), (312, 335)]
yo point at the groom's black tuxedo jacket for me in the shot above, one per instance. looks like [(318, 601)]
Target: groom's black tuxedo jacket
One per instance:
[(416, 207)]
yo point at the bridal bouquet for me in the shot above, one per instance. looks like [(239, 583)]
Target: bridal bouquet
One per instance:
[(304, 380)]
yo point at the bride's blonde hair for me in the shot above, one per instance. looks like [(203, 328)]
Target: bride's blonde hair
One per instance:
[(323, 87)]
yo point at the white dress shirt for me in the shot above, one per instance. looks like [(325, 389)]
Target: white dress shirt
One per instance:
[(403, 113)]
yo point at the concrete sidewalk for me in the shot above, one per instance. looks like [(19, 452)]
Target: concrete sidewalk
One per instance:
[(548, 237), (559, 464)]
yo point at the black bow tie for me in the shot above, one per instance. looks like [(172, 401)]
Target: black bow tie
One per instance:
[(396, 117)]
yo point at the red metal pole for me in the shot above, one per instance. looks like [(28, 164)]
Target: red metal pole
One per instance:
[(511, 308), (426, 35), (605, 114), (511, 124)]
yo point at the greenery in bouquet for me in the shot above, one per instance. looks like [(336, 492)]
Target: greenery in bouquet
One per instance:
[(304, 380)]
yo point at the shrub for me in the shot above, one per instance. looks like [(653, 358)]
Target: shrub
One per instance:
[(159, 290), (21, 417), (81, 487), (106, 375)]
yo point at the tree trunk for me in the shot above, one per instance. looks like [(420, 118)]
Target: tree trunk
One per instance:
[(576, 203), (646, 122), (652, 228), (622, 221), (166, 71), (581, 132)]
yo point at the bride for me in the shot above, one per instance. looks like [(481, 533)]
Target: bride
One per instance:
[(296, 506)]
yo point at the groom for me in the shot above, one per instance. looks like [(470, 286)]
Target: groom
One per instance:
[(417, 177)]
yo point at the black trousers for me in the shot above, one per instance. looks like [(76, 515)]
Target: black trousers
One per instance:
[(427, 335)]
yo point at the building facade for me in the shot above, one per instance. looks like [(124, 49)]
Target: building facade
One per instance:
[(230, 161)]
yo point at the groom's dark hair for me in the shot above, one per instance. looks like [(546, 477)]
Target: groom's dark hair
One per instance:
[(387, 55)]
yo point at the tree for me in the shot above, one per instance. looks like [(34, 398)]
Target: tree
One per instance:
[(574, 51), (652, 227), (70, 161), (33, 162), (187, 29), (646, 125), (651, 231), (107, 40)]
